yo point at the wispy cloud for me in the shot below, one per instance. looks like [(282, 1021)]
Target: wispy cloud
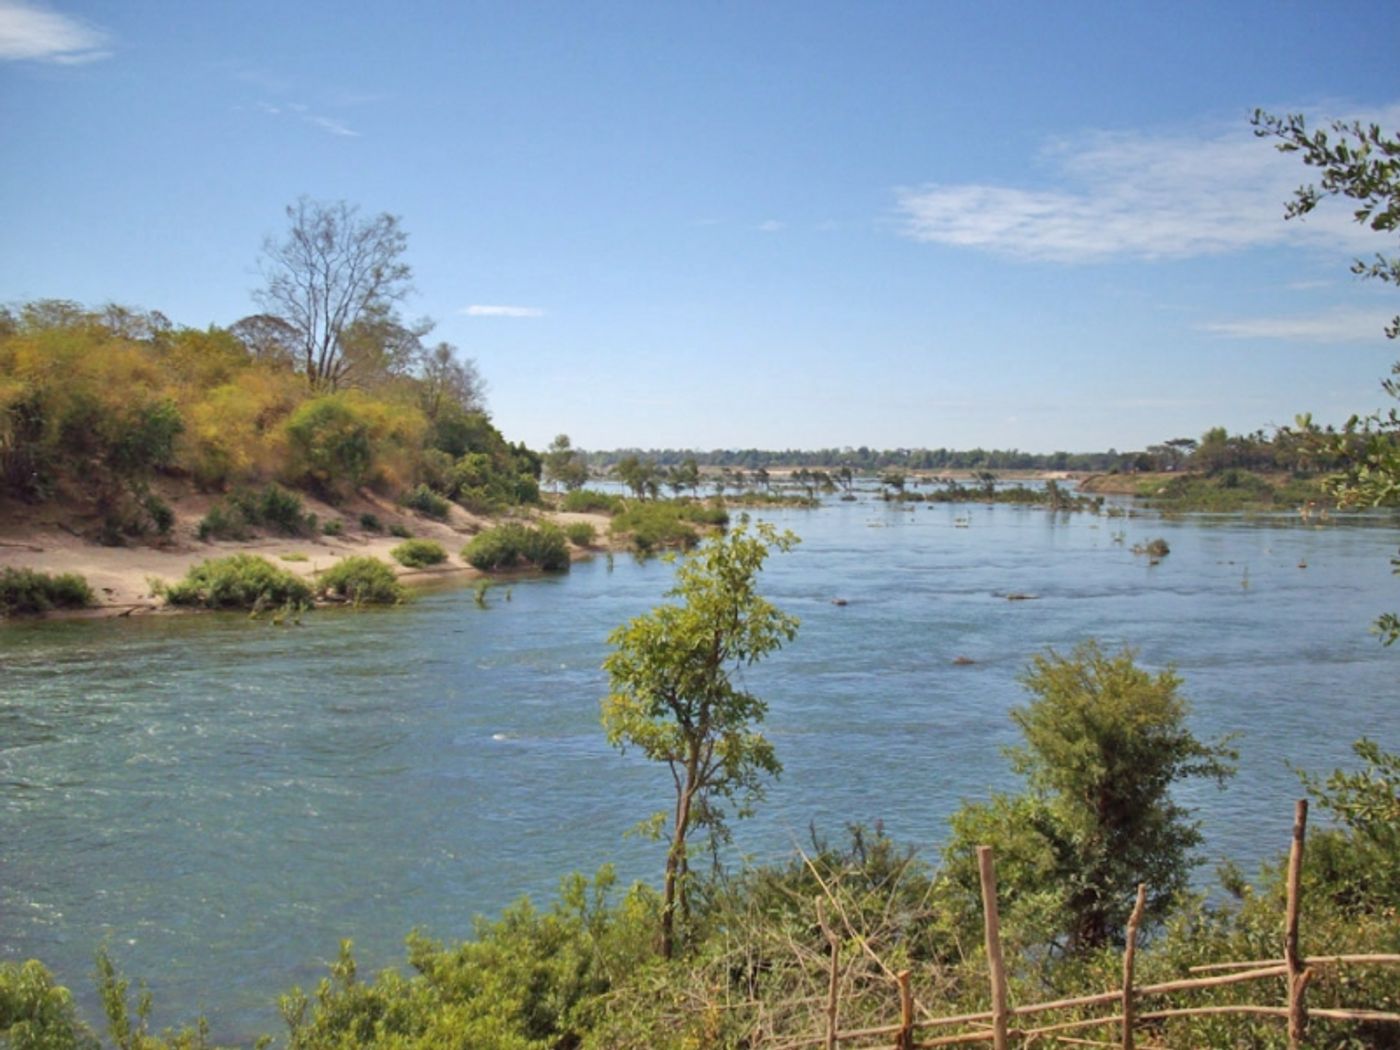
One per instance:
[(306, 115), (1110, 195), (28, 31), (770, 226), (1336, 326), (478, 310)]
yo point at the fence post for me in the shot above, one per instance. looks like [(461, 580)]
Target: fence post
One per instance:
[(986, 869), (1129, 951), (905, 1039), (1298, 977), (833, 977)]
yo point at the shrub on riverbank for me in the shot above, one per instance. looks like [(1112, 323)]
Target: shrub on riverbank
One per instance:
[(508, 546), (581, 533), (25, 591), (419, 554), (272, 507), (591, 501), (655, 524), (239, 581), (361, 581)]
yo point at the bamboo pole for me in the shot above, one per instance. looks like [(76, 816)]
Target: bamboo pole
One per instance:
[(1298, 974), (1309, 961), (833, 976), (905, 1039), (1129, 953), (986, 869)]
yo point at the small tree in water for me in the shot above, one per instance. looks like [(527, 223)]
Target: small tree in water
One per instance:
[(672, 694)]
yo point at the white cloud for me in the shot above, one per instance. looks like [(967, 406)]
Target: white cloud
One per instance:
[(335, 127), (1129, 194), (770, 226), (477, 310), (28, 31), (1337, 326)]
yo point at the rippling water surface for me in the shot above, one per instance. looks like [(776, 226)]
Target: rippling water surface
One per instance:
[(221, 801)]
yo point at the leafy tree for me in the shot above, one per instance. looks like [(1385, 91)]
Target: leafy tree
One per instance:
[(1105, 741), (449, 383), (642, 476), (685, 475), (1361, 164), (333, 272), (563, 465), (672, 694)]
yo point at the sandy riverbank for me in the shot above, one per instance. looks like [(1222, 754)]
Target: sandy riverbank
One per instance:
[(51, 539)]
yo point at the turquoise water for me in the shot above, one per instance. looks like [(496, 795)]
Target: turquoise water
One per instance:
[(221, 801)]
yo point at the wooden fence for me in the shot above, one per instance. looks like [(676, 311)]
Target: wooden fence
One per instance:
[(1002, 1023)]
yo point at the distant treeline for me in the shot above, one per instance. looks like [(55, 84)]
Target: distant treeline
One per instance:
[(1287, 450)]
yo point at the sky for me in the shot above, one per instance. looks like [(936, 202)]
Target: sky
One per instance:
[(1030, 225)]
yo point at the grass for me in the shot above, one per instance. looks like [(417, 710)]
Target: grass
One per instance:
[(419, 554), (361, 581), (25, 591), (239, 581), (293, 556)]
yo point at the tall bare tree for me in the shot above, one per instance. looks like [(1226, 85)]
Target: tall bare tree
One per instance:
[(334, 272)]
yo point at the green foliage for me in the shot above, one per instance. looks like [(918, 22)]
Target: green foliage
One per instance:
[(581, 533), (509, 545), (533, 980), (401, 531), (673, 697), (419, 554), (239, 581), (591, 501), (653, 524), (36, 1014), (370, 522), (271, 507), (361, 581), (334, 527), (28, 591), (1358, 861), (330, 443), (1105, 741), (426, 501)]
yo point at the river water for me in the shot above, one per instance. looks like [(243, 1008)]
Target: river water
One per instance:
[(220, 801)]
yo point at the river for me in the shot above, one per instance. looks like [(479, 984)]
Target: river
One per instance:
[(220, 801)]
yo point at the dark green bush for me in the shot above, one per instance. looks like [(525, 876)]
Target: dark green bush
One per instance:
[(239, 581), (334, 527), (371, 523), (418, 554), (224, 523), (400, 531), (27, 591), (361, 581), (426, 501), (654, 524), (512, 544), (591, 501), (271, 507)]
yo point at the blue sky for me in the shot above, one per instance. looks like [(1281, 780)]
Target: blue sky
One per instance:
[(1039, 225)]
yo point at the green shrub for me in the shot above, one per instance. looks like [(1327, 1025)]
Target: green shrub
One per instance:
[(591, 501), (224, 523), (581, 533), (239, 581), (509, 545), (334, 527), (654, 524), (362, 581), (400, 531), (371, 523), (36, 1014), (426, 501), (418, 554), (162, 517), (27, 591)]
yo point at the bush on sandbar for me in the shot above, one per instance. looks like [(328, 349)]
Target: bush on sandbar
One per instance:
[(512, 544), (28, 591), (591, 501), (418, 554), (239, 581), (361, 581)]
